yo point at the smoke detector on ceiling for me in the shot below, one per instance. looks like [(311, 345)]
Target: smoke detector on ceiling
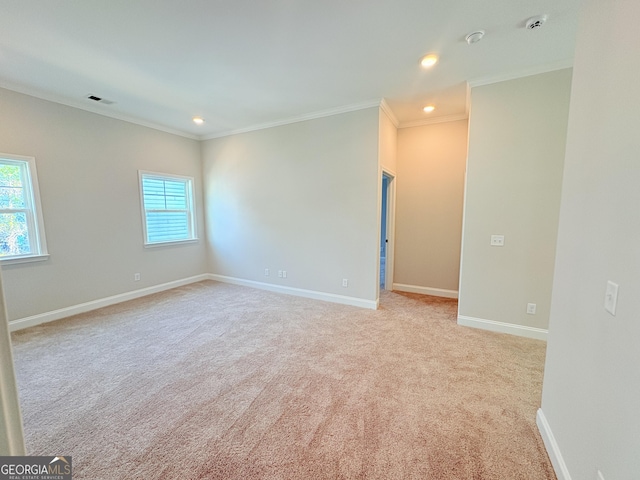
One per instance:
[(474, 37), (536, 22)]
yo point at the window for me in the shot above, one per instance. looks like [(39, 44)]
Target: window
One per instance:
[(21, 226), (167, 208)]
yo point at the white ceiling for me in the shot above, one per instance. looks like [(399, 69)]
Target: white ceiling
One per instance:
[(242, 64)]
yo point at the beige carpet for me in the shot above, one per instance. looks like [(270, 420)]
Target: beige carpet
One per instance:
[(226, 382)]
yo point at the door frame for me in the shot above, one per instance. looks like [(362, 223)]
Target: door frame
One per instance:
[(11, 433), (391, 227)]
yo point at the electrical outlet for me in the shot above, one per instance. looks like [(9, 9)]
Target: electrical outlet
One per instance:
[(266, 272), (345, 282), (284, 274), (279, 273), (136, 277), (531, 308)]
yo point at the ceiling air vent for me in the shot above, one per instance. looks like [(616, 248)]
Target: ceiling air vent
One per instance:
[(95, 98)]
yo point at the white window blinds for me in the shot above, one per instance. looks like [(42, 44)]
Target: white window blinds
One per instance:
[(168, 208)]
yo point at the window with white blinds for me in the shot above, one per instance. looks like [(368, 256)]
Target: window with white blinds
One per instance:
[(167, 204)]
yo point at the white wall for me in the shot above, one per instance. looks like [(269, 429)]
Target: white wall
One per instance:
[(431, 166), (591, 391), (88, 173), (302, 198), (387, 143), (517, 133)]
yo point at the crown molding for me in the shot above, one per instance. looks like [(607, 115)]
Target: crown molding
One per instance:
[(300, 118), (387, 109), (434, 120), (381, 103), (527, 72), (98, 110)]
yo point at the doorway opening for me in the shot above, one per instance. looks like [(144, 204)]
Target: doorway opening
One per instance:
[(386, 233)]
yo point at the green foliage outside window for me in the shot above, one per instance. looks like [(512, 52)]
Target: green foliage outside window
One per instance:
[(14, 232)]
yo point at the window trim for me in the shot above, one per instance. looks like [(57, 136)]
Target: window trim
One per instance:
[(36, 225), (191, 202)]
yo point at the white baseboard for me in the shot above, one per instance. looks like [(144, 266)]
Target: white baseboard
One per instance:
[(436, 292), (299, 292), (501, 327), (102, 302), (562, 472)]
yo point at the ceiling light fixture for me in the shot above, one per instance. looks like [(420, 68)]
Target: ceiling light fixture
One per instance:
[(474, 37), (429, 61), (198, 120), (429, 108)]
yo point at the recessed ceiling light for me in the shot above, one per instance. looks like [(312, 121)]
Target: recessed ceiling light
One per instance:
[(474, 37), (429, 108), (429, 61), (198, 120)]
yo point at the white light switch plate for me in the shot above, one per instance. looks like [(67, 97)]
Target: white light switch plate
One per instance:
[(497, 240), (611, 297)]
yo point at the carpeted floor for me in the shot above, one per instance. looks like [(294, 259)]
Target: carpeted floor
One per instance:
[(215, 381)]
